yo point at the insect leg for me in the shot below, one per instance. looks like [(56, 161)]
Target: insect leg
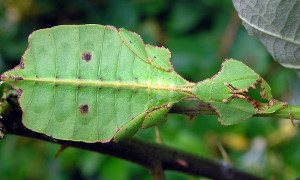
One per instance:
[(290, 114)]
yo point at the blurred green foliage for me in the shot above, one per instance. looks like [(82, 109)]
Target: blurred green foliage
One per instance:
[(200, 34)]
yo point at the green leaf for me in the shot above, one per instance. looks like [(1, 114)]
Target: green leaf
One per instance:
[(95, 83), (276, 24)]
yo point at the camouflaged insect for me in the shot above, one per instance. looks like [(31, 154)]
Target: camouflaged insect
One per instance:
[(96, 83)]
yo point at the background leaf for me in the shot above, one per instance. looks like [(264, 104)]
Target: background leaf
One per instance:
[(276, 23)]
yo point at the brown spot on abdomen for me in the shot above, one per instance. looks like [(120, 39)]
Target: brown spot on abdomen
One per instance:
[(84, 109), (86, 56), (16, 78)]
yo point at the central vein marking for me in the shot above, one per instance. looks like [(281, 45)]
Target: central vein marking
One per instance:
[(98, 83)]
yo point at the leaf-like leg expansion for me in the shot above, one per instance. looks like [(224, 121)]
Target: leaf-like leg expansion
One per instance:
[(272, 106), (159, 57), (275, 105), (234, 111), (156, 117), (130, 128)]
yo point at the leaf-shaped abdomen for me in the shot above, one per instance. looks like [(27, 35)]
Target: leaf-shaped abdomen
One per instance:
[(84, 83)]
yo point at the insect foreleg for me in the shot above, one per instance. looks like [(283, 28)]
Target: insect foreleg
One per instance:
[(236, 93)]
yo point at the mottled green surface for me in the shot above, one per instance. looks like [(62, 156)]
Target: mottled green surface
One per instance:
[(85, 83), (92, 83)]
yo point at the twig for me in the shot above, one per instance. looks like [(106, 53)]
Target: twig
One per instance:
[(155, 157)]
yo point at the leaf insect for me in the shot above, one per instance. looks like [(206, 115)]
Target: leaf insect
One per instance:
[(95, 83)]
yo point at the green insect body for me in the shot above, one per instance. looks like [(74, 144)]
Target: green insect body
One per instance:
[(95, 83)]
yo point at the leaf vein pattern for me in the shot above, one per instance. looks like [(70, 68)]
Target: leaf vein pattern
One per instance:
[(295, 20), (76, 87), (99, 81), (133, 88), (35, 72), (269, 33), (262, 16), (117, 81), (30, 102), (149, 82), (55, 74)]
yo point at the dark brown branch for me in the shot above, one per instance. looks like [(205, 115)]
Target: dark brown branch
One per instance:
[(150, 155)]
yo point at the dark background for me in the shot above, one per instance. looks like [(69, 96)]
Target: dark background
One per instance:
[(200, 34)]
